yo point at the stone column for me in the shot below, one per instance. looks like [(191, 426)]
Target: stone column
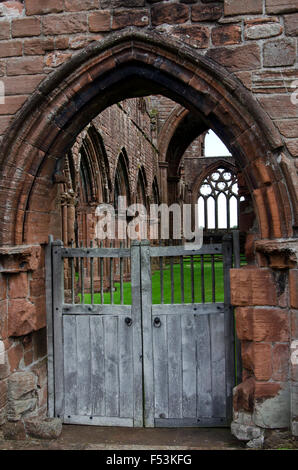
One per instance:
[(163, 183)]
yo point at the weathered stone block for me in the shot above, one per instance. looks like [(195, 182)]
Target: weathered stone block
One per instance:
[(291, 24), (99, 21), (19, 408), (244, 432), (293, 286), (243, 395), (273, 412), (252, 286), (14, 431), (262, 324), (242, 7), (49, 428), (18, 286), (123, 18), (21, 384), (22, 318), (281, 52), (238, 58), (25, 27), (281, 6), (226, 35), (206, 13), (35, 7), (280, 362), (263, 31), (257, 358), (176, 13)]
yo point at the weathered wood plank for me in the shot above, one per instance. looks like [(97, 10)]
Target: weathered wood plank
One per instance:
[(83, 366), (111, 366), (218, 365), (189, 367), (96, 309), (97, 366), (99, 421), (185, 309), (50, 339), (126, 371), (161, 385), (174, 365), (95, 252), (204, 405), (70, 364), (191, 422)]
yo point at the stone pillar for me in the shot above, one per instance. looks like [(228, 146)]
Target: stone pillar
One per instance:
[(163, 183), (267, 397)]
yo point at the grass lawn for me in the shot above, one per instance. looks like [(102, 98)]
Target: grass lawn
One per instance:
[(156, 295)]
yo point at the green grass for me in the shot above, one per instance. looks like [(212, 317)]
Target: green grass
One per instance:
[(156, 295)]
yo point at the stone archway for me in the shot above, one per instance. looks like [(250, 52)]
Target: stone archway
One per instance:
[(133, 64)]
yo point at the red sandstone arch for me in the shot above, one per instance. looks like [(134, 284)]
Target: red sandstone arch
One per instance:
[(130, 64)]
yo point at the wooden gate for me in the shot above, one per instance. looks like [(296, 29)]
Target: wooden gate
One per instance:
[(166, 361)]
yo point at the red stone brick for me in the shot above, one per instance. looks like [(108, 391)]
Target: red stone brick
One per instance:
[(252, 286), (4, 29), (245, 57), (38, 46), (197, 34), (226, 35), (10, 48), (28, 358), (24, 84), (278, 53), (21, 317), (292, 146), (262, 324), (280, 362), (266, 390), (37, 287), (80, 5), (242, 7), (291, 24), (257, 358), (281, 6), (12, 104), (279, 106), (3, 287), (61, 43), (293, 285), (206, 12), (18, 286), (123, 18), (263, 30), (15, 355), (36, 7), (25, 27), (64, 24), (243, 395), (176, 13), (100, 21), (25, 65), (3, 393), (288, 127)]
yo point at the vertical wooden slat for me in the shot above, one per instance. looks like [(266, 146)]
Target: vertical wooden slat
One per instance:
[(70, 364), (111, 366), (136, 312), (218, 366), (189, 367), (58, 299), (174, 366), (161, 384), (146, 288), (84, 407), (204, 405), (97, 343), (126, 381)]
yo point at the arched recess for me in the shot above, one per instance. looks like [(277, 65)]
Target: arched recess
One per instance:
[(141, 188), (121, 179), (130, 64)]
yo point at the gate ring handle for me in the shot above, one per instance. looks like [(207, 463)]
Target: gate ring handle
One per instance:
[(128, 321), (157, 322)]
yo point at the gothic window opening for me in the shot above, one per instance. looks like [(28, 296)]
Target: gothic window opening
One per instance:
[(219, 200)]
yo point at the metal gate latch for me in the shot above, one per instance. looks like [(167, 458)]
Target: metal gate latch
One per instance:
[(157, 322), (128, 321)]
